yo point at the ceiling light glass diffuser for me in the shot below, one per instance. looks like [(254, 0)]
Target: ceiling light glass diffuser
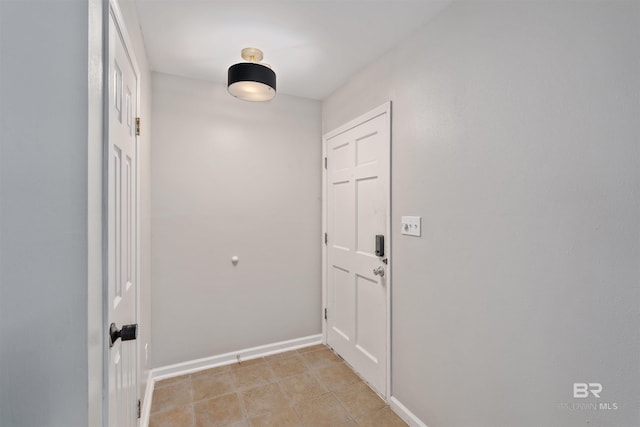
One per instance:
[(251, 81)]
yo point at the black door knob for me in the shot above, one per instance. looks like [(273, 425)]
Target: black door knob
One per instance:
[(127, 333)]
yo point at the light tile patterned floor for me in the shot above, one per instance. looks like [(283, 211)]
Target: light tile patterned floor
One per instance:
[(310, 387)]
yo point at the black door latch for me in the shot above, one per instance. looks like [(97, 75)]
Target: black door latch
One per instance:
[(379, 244), (127, 333)]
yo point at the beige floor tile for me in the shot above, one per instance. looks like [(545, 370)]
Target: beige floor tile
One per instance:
[(181, 416), (323, 390), (212, 385), (287, 367), (171, 396), (285, 355), (264, 398), (384, 417), (243, 423), (219, 411), (337, 376), (253, 375), (245, 363), (311, 348), (358, 399), (171, 381), (285, 417), (320, 358), (321, 411), (212, 371), (302, 387)]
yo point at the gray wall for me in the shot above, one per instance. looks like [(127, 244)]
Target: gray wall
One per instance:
[(232, 178), (51, 326), (43, 213), (516, 138)]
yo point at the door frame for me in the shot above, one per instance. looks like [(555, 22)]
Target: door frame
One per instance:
[(112, 9), (372, 114)]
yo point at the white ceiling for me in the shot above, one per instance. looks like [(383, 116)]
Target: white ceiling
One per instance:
[(314, 46)]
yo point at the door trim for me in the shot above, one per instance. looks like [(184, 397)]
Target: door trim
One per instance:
[(370, 115), (95, 205), (112, 9)]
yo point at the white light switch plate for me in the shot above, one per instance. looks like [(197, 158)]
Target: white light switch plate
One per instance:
[(411, 225)]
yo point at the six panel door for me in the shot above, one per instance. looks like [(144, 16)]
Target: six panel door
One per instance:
[(357, 210)]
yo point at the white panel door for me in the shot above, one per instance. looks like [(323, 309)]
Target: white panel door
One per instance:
[(122, 229), (358, 190)]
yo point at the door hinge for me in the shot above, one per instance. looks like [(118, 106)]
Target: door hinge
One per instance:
[(139, 409), (325, 162), (137, 126), (326, 238), (325, 314)]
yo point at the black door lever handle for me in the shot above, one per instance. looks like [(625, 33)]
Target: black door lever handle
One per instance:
[(127, 333)]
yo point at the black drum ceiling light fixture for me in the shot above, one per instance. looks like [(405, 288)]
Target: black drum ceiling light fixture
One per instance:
[(251, 81)]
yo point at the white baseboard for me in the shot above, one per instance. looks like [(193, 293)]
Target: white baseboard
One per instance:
[(406, 415), (215, 361), (233, 357)]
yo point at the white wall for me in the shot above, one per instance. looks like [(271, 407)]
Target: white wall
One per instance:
[(44, 93), (516, 138), (232, 178)]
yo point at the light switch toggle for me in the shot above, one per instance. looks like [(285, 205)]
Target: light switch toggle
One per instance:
[(411, 225)]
